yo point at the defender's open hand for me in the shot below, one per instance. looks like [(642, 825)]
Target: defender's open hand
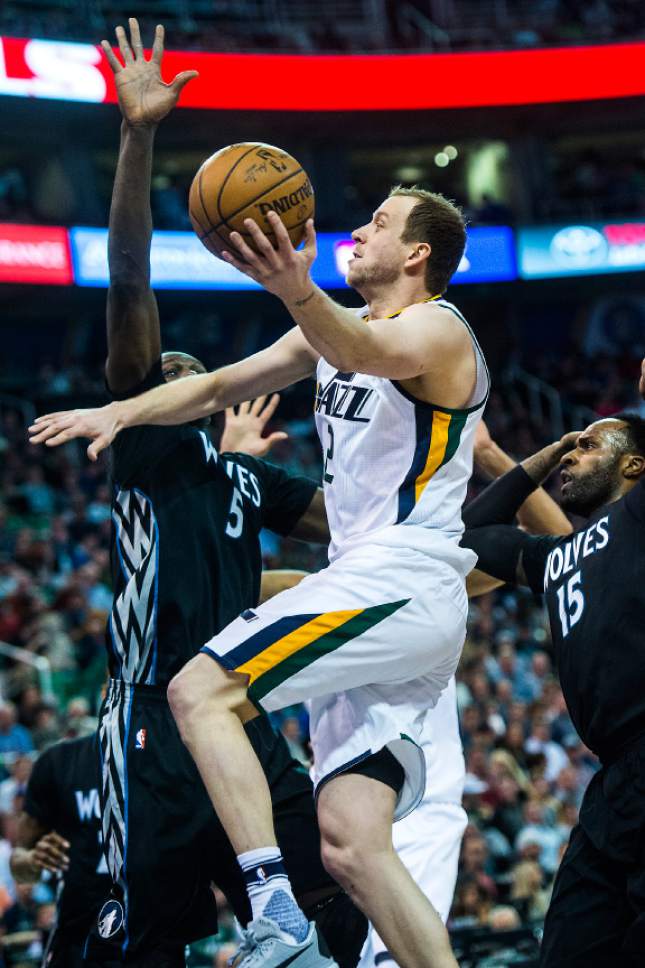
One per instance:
[(144, 98), (245, 426)]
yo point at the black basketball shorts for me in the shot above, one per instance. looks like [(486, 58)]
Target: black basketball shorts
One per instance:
[(597, 912), (163, 841)]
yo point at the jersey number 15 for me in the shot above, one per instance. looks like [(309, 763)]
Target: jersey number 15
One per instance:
[(571, 603)]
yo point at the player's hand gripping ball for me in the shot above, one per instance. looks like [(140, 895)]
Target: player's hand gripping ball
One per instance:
[(249, 180)]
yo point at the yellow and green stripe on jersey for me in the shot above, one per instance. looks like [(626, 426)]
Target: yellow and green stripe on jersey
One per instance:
[(438, 433), (281, 650)]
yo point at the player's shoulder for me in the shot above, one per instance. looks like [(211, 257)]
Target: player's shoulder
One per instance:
[(442, 319)]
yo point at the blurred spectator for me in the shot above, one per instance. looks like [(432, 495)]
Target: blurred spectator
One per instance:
[(503, 918), (12, 790), (527, 891), (14, 738), (538, 831)]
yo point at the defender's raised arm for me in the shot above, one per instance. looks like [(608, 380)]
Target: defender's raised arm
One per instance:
[(133, 336)]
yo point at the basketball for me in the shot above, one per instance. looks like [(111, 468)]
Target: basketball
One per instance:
[(249, 180)]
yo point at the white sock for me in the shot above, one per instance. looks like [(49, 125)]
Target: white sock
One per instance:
[(269, 890)]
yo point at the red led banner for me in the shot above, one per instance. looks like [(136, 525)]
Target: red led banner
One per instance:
[(370, 82), (33, 253)]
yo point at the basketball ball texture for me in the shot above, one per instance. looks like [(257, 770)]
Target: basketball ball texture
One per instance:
[(249, 180)]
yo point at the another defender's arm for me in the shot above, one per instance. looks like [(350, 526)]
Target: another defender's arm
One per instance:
[(37, 850), (133, 335), (288, 360), (501, 500), (313, 525), (539, 514), (279, 580)]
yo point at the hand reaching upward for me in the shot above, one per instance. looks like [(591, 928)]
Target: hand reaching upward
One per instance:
[(144, 98), (245, 426)]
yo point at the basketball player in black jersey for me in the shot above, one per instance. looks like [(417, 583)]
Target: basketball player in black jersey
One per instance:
[(186, 560), (594, 585), (59, 830)]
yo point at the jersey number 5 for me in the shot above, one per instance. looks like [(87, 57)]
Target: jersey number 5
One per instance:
[(571, 603), (235, 521)]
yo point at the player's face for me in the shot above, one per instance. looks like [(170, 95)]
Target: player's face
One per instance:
[(174, 366), (591, 471), (379, 254)]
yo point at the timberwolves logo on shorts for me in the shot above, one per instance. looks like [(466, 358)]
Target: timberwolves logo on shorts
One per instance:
[(110, 919)]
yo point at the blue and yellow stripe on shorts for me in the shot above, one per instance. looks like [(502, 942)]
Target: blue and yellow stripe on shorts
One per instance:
[(281, 650), (438, 433)]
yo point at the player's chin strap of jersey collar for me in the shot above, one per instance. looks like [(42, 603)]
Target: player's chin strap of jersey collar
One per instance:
[(417, 303)]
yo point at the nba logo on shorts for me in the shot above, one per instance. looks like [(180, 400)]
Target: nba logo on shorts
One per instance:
[(140, 742), (110, 919)]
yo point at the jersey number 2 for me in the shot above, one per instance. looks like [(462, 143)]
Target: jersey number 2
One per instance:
[(571, 603), (327, 477)]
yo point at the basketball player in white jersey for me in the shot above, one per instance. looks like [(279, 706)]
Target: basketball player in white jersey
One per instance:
[(376, 636), (428, 841)]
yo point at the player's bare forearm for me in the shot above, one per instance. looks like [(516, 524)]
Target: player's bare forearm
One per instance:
[(540, 465), (335, 332), (23, 868), (479, 583), (279, 580), (490, 459), (199, 396), (130, 226), (286, 361), (133, 333), (539, 514)]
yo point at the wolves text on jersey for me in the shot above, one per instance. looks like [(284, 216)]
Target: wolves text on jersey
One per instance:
[(246, 481), (564, 559), (342, 399)]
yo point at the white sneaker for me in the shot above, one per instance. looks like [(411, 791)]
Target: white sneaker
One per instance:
[(264, 946)]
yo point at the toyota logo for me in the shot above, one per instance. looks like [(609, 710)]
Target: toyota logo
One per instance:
[(579, 246)]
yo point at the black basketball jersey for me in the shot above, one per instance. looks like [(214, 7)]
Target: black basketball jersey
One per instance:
[(186, 556), (594, 585), (62, 794)]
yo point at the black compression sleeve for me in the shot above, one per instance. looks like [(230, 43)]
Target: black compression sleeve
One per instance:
[(498, 548), (501, 500)]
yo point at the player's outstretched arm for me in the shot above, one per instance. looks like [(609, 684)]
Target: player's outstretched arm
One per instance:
[(133, 336), (288, 360)]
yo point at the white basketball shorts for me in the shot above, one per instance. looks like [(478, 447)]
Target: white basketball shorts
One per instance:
[(371, 641)]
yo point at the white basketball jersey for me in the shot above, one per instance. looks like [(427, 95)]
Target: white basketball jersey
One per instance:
[(395, 468)]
